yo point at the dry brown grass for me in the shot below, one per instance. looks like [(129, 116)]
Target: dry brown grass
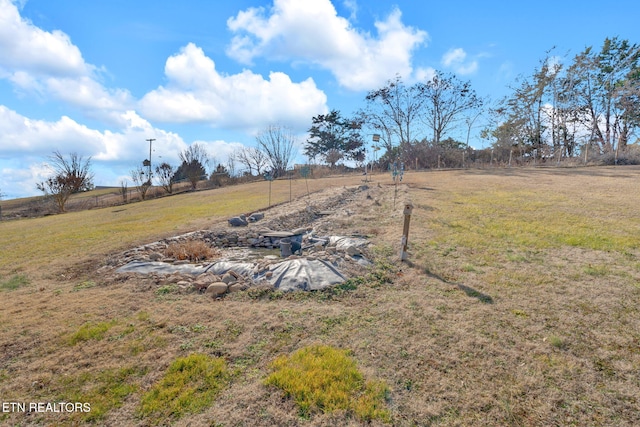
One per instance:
[(520, 306), (192, 250)]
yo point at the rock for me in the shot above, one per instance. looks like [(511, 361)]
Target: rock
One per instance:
[(353, 251), (238, 221), (229, 279), (171, 279), (204, 280), (155, 256), (299, 231), (237, 287), (254, 217), (217, 289)]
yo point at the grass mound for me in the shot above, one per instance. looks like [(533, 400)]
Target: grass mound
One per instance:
[(104, 390), (91, 331), (323, 378), (190, 385)]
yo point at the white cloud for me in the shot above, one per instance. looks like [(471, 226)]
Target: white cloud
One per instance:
[(219, 151), (20, 181), (85, 91), (49, 64), (457, 60), (27, 143), (196, 92), (313, 32), (28, 48), (352, 7), (424, 74), (21, 135)]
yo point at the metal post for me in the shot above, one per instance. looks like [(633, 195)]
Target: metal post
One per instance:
[(408, 209)]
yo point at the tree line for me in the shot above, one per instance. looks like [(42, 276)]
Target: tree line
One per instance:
[(590, 104), (564, 108), (273, 156)]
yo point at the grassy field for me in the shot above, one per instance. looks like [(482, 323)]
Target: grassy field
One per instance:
[(518, 306)]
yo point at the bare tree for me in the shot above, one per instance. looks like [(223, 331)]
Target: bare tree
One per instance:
[(165, 174), (446, 100), (194, 160), (141, 181), (231, 165), (393, 111), (123, 190), (70, 175), (253, 158), (259, 159), (278, 144)]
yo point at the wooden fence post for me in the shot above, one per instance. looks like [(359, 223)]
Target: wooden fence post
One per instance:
[(408, 209)]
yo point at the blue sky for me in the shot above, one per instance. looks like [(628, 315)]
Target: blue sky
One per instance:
[(100, 77)]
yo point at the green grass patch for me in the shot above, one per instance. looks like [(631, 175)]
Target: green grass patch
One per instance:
[(15, 282), (321, 378), (557, 342), (104, 391), (496, 221), (190, 385), (167, 290), (91, 331), (88, 284), (597, 270)]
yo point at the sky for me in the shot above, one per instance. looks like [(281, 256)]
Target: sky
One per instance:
[(99, 78)]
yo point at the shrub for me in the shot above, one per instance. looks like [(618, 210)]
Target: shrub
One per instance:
[(323, 378), (189, 385), (193, 250)]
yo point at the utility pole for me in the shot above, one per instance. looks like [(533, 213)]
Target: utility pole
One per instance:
[(150, 141)]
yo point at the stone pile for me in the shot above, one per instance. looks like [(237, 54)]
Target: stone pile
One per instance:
[(258, 233), (202, 277)]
